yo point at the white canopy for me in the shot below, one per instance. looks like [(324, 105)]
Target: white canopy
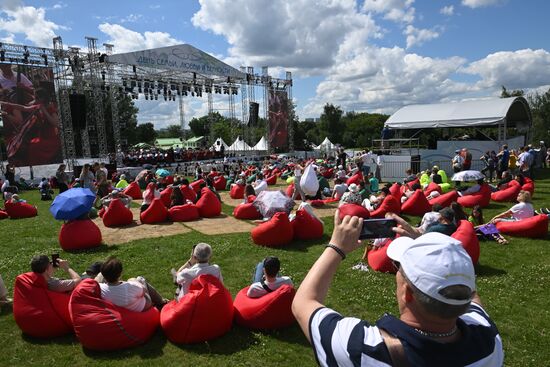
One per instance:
[(474, 113), (239, 146), (261, 145), (221, 143), (326, 145)]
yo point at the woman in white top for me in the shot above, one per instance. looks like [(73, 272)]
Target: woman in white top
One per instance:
[(149, 195), (298, 170), (522, 210), (87, 177)]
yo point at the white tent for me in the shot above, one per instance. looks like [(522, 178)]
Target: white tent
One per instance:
[(218, 144), (239, 146), (261, 145), (326, 145), (487, 112)]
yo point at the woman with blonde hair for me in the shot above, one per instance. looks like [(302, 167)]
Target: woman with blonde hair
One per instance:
[(522, 210)]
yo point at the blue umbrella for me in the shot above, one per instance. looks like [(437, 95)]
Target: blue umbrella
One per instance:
[(72, 203), (162, 173)]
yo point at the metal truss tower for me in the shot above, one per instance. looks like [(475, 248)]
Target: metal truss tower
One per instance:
[(96, 113), (290, 108), (113, 99)]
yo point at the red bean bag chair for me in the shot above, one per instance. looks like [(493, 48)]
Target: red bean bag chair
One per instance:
[(417, 204), (271, 180), (38, 311), (155, 213), (328, 173), (236, 191), (20, 210), (250, 199), (514, 183), (188, 193), (169, 180), (306, 227), (529, 185), (184, 213), (79, 235), (290, 190), (353, 210), (317, 203), (271, 311), (117, 214), (276, 232), (101, 212), (466, 234), (379, 260), (396, 189), (209, 206), (3, 215), (246, 211), (165, 196), (431, 188), (219, 183), (133, 191), (101, 325), (356, 179), (196, 185), (445, 199), (412, 183), (389, 204), (534, 227), (481, 198), (508, 194), (204, 313)]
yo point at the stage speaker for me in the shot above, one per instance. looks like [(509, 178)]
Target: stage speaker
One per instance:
[(253, 109), (78, 110)]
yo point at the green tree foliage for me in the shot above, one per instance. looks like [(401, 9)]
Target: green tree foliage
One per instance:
[(540, 111), (145, 133), (513, 93), (171, 131)]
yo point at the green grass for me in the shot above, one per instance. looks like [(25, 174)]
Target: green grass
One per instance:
[(513, 282)]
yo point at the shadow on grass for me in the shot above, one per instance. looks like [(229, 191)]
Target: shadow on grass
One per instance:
[(103, 248), (291, 335), (236, 340), (152, 348), (303, 245), (488, 271), (6, 309), (61, 340)]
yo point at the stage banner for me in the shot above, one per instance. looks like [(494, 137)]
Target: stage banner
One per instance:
[(278, 119), (30, 115)]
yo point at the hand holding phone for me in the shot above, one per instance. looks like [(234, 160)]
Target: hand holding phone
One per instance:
[(55, 260), (378, 228)]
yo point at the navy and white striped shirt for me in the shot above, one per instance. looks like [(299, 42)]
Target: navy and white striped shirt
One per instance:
[(348, 341)]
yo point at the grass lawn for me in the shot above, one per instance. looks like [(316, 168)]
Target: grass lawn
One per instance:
[(513, 282)]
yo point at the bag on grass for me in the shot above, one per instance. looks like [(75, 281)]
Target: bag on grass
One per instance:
[(309, 183)]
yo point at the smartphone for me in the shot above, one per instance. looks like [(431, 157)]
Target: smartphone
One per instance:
[(378, 228), (55, 260)]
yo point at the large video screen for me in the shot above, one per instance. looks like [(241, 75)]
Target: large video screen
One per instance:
[(278, 119), (30, 115)]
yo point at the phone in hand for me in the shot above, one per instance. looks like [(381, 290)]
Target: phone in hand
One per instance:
[(55, 260), (378, 228)]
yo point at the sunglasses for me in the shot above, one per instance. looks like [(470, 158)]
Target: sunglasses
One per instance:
[(396, 265)]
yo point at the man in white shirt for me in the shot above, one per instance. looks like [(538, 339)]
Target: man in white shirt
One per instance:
[(339, 189), (260, 184), (197, 265), (366, 159), (457, 161), (430, 218), (268, 269)]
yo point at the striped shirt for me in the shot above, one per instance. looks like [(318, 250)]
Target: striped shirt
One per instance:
[(348, 341)]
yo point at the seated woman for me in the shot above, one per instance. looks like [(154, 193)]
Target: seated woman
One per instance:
[(472, 189), (148, 195), (339, 189), (522, 210), (16, 199), (458, 211), (176, 198), (352, 196), (409, 192), (248, 191), (260, 184), (374, 201), (266, 279), (116, 194), (476, 218), (135, 294)]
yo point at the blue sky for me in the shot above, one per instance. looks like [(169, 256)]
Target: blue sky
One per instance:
[(367, 55)]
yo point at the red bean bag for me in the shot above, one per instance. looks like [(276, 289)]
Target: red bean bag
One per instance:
[(188, 193), (101, 325), (356, 179), (328, 173), (271, 180), (184, 213), (306, 227), (38, 311), (389, 204), (101, 212), (250, 198), (529, 185), (410, 184), (155, 213), (379, 260), (236, 191), (196, 185), (353, 210), (79, 235), (117, 214), (508, 194), (276, 232), (466, 234), (133, 191), (169, 180), (290, 190), (219, 183), (481, 198), (3, 215), (431, 188), (208, 205), (445, 199), (395, 189), (204, 313), (514, 183), (417, 204), (165, 196), (246, 211), (271, 311), (20, 210), (317, 203), (534, 227)]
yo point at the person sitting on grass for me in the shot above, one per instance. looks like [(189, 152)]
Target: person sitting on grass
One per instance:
[(266, 279), (430, 218), (352, 196), (249, 193), (136, 294), (472, 189), (373, 201), (149, 195), (260, 184), (176, 198), (339, 189), (4, 299), (445, 224), (522, 210), (116, 194), (42, 265), (122, 183)]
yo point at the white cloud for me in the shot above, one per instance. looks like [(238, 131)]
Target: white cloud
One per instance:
[(417, 36), (126, 40), (395, 10), (30, 21), (131, 18), (447, 10), (481, 3)]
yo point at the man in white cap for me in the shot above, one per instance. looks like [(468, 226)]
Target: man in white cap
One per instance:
[(441, 320)]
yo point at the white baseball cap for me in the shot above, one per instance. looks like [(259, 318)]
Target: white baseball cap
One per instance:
[(433, 262)]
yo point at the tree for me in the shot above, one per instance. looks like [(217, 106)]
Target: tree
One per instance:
[(540, 112), (514, 93), (171, 131), (330, 124), (145, 133)]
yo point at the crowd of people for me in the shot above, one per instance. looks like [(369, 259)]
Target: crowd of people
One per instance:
[(139, 156)]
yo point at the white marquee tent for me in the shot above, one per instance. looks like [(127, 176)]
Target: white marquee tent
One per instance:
[(326, 146), (239, 146), (261, 145), (218, 144)]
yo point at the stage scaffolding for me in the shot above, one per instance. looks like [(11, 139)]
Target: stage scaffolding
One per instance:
[(89, 73)]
